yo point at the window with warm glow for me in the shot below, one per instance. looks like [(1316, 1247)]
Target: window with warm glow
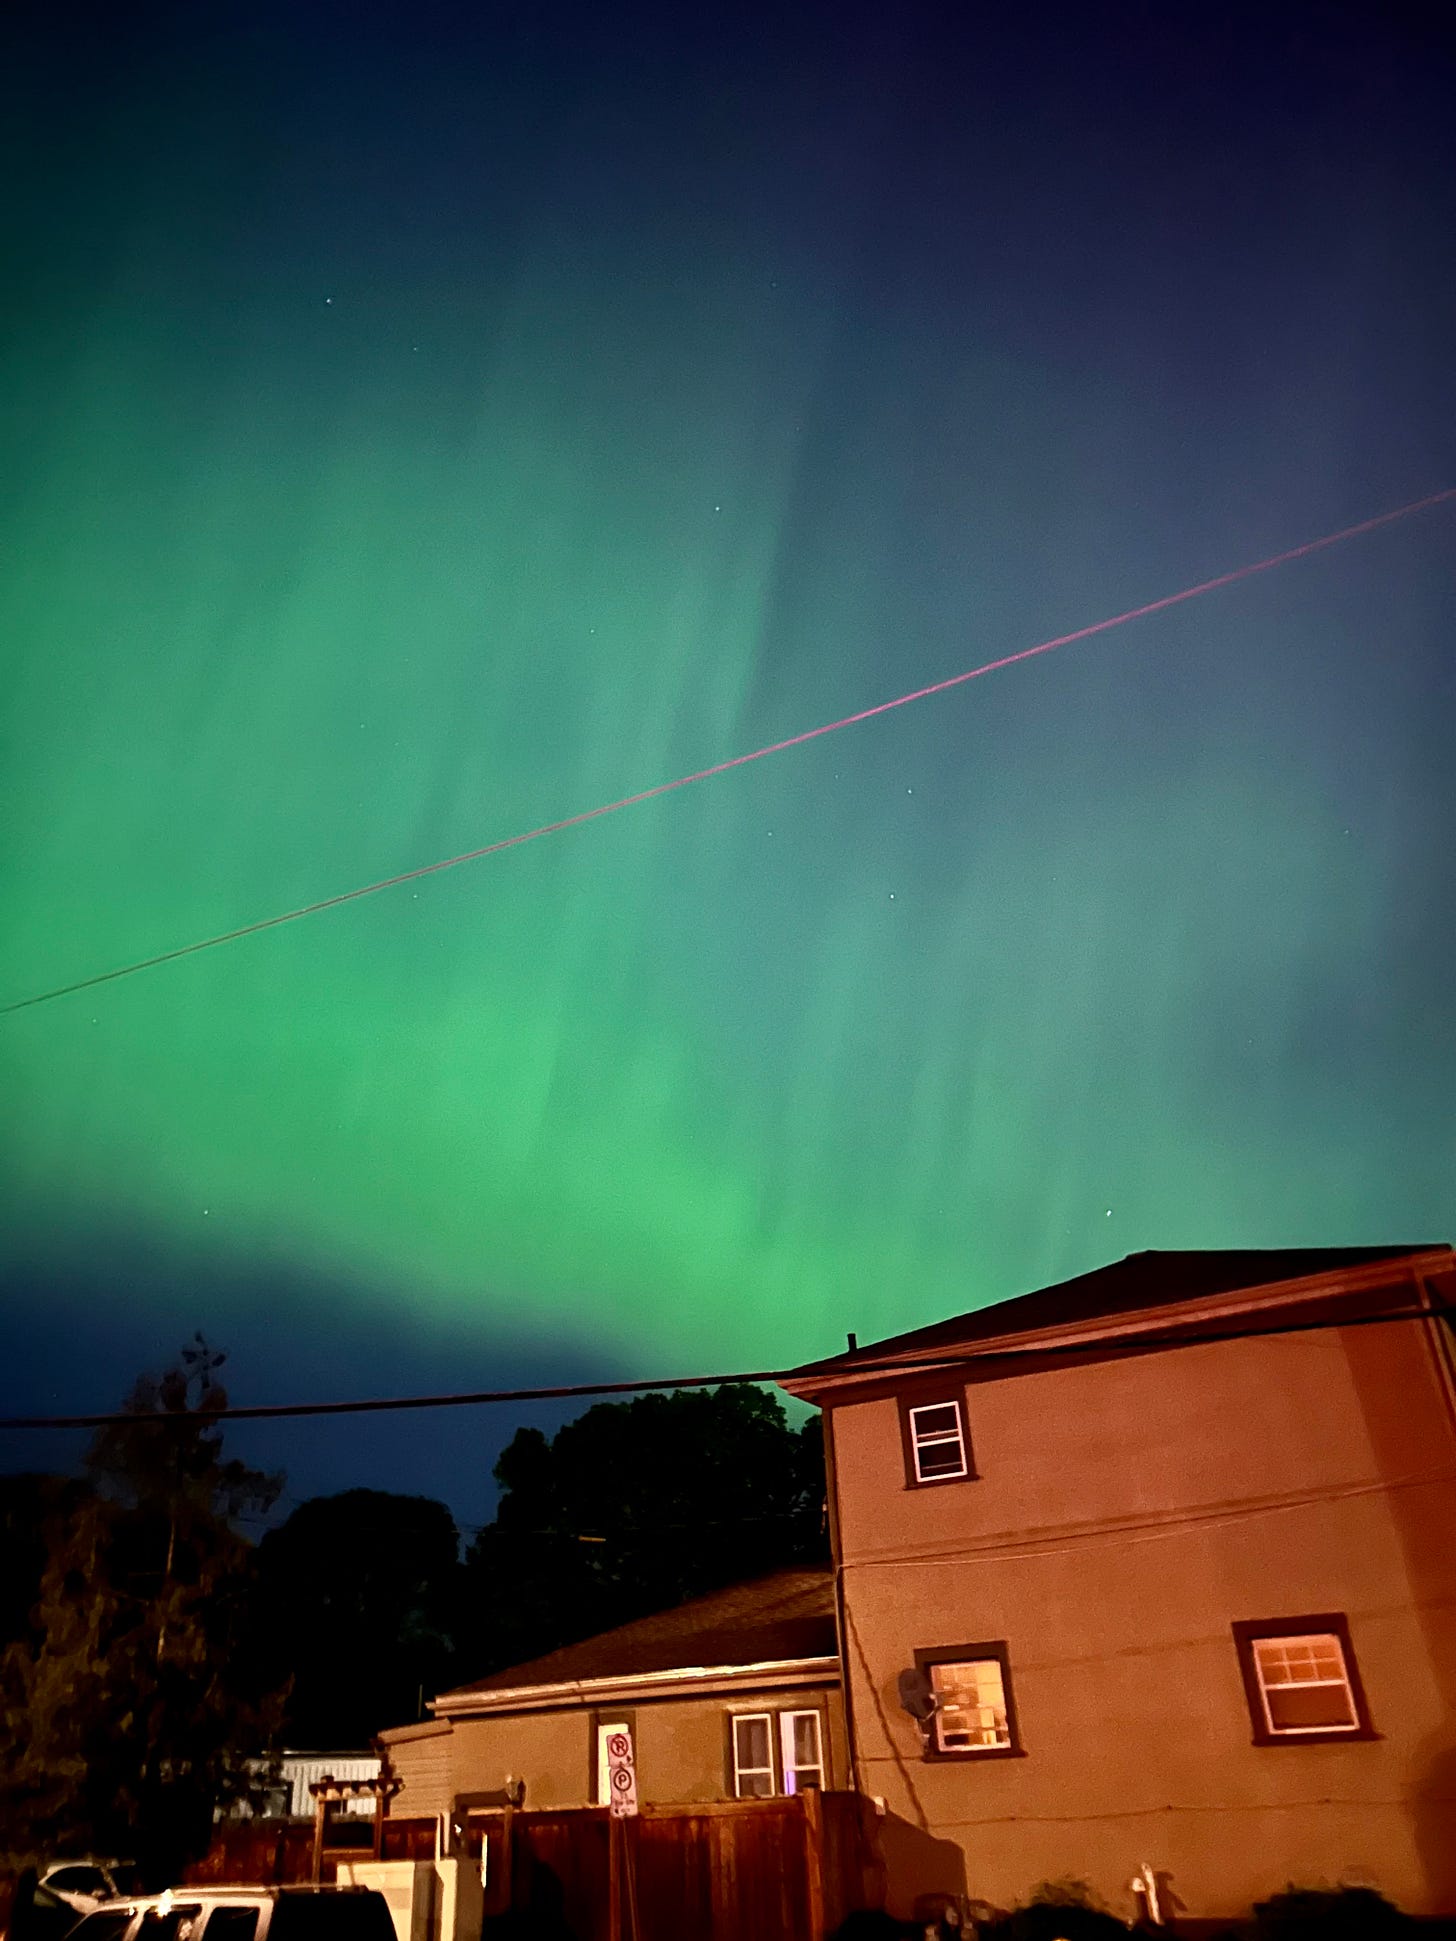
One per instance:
[(974, 1715), (971, 1713)]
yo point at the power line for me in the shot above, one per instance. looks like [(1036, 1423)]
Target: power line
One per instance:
[(1168, 600), (857, 1363)]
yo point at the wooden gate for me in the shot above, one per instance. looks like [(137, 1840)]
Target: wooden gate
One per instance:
[(775, 1870)]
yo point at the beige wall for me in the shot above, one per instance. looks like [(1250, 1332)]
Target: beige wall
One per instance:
[(420, 1759), (1126, 1515), (681, 1747)]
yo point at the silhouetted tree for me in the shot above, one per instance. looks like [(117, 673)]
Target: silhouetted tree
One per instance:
[(125, 1716), (357, 1598), (29, 1505), (633, 1508)]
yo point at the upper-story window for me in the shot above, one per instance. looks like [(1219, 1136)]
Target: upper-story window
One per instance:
[(1301, 1679), (936, 1441)]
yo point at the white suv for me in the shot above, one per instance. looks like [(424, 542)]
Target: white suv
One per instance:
[(242, 1914)]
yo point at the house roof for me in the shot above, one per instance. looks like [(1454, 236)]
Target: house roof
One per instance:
[(771, 1620), (1129, 1286)]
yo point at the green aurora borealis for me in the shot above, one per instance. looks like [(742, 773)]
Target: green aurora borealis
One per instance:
[(355, 525)]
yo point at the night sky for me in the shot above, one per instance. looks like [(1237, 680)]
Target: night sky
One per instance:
[(424, 422)]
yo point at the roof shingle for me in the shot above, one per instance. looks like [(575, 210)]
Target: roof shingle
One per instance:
[(785, 1616)]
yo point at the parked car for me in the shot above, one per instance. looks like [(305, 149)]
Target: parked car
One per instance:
[(36, 1914), (84, 1884), (242, 1914)]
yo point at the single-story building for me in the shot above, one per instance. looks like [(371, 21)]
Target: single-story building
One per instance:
[(735, 1695)]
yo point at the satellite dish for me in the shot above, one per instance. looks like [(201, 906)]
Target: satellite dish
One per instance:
[(916, 1695)]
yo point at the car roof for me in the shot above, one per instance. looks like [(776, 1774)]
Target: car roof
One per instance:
[(191, 1892)]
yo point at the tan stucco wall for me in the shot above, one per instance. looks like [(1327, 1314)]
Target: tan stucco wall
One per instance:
[(680, 1743), (1126, 1516)]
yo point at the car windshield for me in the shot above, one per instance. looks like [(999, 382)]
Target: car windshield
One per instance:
[(77, 1880)]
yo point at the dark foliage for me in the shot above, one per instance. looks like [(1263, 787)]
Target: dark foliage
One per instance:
[(635, 1507), (28, 1506), (1057, 1911), (357, 1601), (1330, 1914), (124, 1716)]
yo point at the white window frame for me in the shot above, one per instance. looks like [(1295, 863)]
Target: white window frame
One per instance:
[(742, 1771), (939, 1439), (792, 1768), (1257, 1647)]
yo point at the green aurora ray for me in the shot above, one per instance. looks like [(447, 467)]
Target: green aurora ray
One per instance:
[(324, 570)]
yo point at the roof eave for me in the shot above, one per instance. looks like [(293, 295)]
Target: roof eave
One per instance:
[(771, 1674), (866, 1366)]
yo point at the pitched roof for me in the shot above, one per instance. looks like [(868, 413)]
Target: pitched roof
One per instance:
[(786, 1616), (1129, 1286)]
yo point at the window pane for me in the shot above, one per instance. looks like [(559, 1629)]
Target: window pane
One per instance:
[(972, 1712), (941, 1420), (753, 1773), (232, 1924), (174, 1926), (938, 1439), (753, 1743), (806, 1738), (105, 1926), (939, 1459), (1304, 1684), (803, 1759), (1311, 1708)]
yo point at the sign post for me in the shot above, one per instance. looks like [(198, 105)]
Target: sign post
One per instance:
[(621, 1807)]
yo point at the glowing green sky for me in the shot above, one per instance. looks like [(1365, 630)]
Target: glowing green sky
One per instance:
[(408, 455)]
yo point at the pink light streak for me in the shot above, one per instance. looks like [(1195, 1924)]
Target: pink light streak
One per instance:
[(1123, 619)]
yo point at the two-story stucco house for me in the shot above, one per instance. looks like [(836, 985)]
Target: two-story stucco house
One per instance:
[(1158, 1568)]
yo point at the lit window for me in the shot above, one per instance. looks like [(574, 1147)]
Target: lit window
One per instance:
[(801, 1751), (753, 1767), (974, 1715), (1301, 1680), (971, 1715)]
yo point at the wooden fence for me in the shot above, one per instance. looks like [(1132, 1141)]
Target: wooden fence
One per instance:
[(774, 1869)]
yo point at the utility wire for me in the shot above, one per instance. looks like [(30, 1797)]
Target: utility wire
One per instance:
[(736, 761), (858, 1363)]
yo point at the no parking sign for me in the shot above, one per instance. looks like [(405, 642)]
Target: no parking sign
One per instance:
[(621, 1775)]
